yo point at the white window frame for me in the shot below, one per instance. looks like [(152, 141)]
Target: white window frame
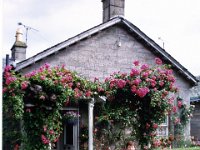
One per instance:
[(163, 127)]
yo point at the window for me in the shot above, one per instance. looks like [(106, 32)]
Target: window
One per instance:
[(162, 130)]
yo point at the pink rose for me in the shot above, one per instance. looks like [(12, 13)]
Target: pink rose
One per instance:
[(136, 63), (144, 67), (51, 132), (88, 93), (24, 85), (121, 83), (147, 126), (142, 92), (179, 104), (174, 109), (137, 81), (134, 72), (133, 89), (158, 61), (9, 80), (45, 128), (155, 125)]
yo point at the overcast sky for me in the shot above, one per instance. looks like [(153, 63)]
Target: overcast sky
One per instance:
[(177, 22)]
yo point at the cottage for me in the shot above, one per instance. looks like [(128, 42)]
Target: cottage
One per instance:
[(101, 50)]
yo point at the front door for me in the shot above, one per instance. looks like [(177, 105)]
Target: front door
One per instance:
[(69, 138)]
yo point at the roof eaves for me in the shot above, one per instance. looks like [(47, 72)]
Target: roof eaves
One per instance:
[(161, 51), (67, 42)]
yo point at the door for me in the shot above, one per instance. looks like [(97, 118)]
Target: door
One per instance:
[(69, 138)]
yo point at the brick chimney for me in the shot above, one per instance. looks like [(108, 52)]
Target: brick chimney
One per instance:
[(112, 8), (18, 50)]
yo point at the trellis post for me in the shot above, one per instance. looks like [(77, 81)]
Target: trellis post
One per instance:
[(90, 124)]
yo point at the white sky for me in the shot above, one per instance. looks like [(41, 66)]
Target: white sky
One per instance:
[(177, 22)]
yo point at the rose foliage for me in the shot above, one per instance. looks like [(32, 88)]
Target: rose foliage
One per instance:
[(140, 99), (38, 97)]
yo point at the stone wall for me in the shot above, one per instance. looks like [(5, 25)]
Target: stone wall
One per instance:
[(109, 51), (195, 91), (195, 122)]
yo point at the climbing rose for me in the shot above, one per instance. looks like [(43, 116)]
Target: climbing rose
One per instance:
[(45, 128), (88, 93), (44, 139), (24, 85), (133, 89), (158, 61), (155, 125), (134, 72), (46, 65), (9, 80), (8, 68), (161, 83), (137, 81), (179, 104), (147, 126), (121, 83), (141, 92), (42, 77), (28, 110), (16, 147), (51, 132), (156, 142), (174, 109), (4, 89), (136, 63), (176, 121), (144, 67)]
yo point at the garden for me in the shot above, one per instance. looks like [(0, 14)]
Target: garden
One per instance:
[(137, 102)]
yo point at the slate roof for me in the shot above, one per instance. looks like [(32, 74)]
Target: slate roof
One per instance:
[(195, 99), (132, 29)]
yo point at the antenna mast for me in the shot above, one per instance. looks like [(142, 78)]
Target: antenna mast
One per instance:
[(163, 43), (27, 28)]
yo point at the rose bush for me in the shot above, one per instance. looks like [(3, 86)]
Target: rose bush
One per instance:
[(37, 99), (145, 96), (139, 100)]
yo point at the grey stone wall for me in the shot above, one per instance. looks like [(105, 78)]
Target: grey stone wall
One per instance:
[(100, 55), (195, 91), (195, 122)]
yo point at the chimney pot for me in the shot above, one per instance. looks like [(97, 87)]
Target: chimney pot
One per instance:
[(19, 35), (112, 8)]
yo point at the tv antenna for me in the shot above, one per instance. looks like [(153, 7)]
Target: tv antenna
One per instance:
[(27, 28), (163, 43)]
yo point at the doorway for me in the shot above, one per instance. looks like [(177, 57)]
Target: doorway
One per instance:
[(69, 138)]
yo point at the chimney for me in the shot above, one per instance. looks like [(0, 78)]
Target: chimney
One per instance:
[(18, 50), (112, 8)]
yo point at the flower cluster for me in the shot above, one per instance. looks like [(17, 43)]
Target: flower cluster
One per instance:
[(71, 115)]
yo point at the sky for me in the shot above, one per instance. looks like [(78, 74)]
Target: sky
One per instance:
[(174, 23)]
